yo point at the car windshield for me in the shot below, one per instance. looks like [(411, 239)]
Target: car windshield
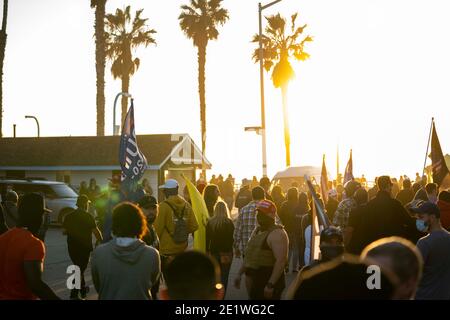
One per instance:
[(63, 191)]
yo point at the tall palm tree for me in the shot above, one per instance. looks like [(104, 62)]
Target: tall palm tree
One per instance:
[(199, 22), (2, 59), (123, 35), (100, 58), (278, 49)]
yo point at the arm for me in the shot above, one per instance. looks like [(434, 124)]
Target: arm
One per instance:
[(33, 275), (160, 221), (97, 234), (278, 241), (237, 235), (94, 273)]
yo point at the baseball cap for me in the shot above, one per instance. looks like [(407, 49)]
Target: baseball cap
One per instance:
[(170, 184), (426, 207), (331, 233), (245, 182), (31, 202), (267, 207), (147, 202)]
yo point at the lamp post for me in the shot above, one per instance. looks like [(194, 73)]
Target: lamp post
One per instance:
[(261, 82), (126, 94), (37, 123)]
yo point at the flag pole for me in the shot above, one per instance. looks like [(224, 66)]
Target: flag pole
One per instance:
[(428, 146), (313, 235)]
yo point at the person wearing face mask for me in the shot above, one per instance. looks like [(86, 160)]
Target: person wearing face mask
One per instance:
[(149, 207), (331, 246), (265, 256), (435, 248)]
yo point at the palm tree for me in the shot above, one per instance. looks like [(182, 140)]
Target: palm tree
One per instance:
[(199, 22), (278, 50), (2, 59), (100, 58), (123, 35)]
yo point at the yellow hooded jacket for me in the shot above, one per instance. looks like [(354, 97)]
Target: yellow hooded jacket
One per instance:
[(165, 225)]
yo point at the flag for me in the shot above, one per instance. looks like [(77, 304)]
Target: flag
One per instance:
[(349, 169), (201, 213), (324, 181), (132, 161), (441, 174), (319, 221)]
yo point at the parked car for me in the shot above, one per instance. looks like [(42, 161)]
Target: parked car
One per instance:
[(59, 197)]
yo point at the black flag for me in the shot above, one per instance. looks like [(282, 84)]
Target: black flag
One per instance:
[(439, 167)]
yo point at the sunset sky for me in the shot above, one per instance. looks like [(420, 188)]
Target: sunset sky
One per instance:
[(379, 70)]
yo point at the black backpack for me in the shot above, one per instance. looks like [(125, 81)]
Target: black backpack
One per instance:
[(180, 234)]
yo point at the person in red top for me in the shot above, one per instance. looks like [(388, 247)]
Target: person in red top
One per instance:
[(22, 254), (444, 206)]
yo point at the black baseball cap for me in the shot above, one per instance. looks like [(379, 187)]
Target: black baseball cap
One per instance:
[(147, 202), (426, 207), (330, 233)]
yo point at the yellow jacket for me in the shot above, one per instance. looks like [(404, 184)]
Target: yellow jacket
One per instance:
[(165, 225)]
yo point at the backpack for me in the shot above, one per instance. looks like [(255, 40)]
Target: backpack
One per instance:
[(180, 234)]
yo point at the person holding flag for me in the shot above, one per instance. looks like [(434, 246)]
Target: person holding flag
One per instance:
[(133, 164)]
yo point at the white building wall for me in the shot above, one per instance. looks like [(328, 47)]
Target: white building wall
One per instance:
[(48, 175)]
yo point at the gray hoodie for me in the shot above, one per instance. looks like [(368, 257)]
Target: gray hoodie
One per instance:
[(125, 273)]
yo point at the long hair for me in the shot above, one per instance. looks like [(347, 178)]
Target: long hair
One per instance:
[(221, 215), (210, 195)]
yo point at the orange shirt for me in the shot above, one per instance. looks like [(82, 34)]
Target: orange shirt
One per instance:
[(16, 246)]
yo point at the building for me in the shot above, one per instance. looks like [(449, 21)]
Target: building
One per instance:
[(77, 159)]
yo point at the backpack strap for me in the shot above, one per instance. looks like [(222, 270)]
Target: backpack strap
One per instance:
[(177, 214)]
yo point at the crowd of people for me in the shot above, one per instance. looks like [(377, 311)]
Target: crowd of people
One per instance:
[(142, 246)]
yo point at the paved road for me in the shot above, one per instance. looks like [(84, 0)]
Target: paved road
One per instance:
[(57, 260)]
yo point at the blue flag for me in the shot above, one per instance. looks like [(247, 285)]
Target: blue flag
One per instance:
[(132, 161), (349, 169)]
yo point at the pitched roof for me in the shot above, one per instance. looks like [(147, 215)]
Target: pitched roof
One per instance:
[(82, 151)]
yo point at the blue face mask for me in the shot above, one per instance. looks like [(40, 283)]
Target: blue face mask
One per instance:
[(421, 225)]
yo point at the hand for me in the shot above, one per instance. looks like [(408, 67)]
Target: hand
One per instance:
[(268, 292), (237, 253), (237, 282)]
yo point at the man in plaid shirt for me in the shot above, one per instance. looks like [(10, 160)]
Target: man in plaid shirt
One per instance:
[(345, 206), (246, 222)]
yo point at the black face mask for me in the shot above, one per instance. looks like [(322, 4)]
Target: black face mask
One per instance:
[(331, 252), (151, 218)]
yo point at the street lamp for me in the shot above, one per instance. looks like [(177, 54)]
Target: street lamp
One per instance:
[(37, 123), (261, 81), (125, 94)]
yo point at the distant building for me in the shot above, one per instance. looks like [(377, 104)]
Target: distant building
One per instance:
[(77, 159)]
